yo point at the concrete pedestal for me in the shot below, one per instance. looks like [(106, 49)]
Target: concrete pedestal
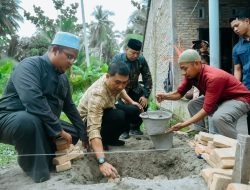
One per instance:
[(241, 172), (162, 141)]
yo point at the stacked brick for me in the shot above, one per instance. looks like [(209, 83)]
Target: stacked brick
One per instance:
[(64, 154), (219, 152)]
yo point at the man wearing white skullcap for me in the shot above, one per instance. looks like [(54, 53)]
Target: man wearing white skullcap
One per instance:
[(225, 98), (36, 94)]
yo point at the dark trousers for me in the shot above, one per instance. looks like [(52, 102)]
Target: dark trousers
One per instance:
[(35, 149), (135, 120), (114, 123), (248, 122)]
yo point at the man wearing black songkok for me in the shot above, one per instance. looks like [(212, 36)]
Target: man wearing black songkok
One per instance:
[(138, 91)]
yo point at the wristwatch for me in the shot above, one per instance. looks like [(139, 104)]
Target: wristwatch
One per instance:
[(101, 160)]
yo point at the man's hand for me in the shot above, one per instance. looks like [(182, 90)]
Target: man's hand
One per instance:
[(66, 136), (143, 101), (138, 105), (160, 97), (176, 127), (108, 170)]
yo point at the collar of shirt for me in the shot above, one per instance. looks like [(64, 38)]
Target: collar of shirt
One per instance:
[(107, 89), (244, 40), (124, 57), (50, 64)]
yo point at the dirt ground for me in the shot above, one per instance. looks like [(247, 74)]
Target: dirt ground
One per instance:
[(138, 163)]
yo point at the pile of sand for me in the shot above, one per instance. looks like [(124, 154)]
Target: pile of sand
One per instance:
[(138, 163)]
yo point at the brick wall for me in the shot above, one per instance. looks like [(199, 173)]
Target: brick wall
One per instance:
[(158, 44)]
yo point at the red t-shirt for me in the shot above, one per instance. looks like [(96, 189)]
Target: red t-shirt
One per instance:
[(217, 86)]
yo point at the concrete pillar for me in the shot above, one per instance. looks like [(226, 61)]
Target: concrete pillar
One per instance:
[(241, 172), (214, 33)]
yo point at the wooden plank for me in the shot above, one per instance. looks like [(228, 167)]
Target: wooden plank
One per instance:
[(63, 167), (72, 155), (238, 186), (220, 182), (208, 173), (219, 154), (62, 147), (208, 160), (209, 147), (202, 142), (206, 136), (210, 144), (65, 151), (223, 157), (199, 149), (196, 137), (221, 141), (226, 164)]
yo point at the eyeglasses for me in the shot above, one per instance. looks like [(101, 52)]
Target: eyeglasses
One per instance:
[(69, 56)]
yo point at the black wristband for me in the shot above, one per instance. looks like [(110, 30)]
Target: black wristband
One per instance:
[(101, 160)]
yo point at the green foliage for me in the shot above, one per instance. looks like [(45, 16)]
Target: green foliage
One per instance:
[(138, 18), (77, 96), (63, 117), (80, 58), (9, 17), (66, 20), (82, 77), (102, 37), (4, 42), (7, 154), (174, 121), (6, 67), (152, 106), (38, 44), (33, 46)]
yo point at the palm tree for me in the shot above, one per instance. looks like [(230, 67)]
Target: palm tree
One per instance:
[(138, 18), (101, 27), (9, 16), (102, 36)]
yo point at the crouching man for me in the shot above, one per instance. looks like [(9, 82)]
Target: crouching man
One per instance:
[(225, 98), (35, 96), (105, 123)]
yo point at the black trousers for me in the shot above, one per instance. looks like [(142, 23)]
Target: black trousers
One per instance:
[(135, 120), (248, 122), (34, 147), (114, 123)]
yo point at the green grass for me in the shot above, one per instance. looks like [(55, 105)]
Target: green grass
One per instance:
[(7, 154)]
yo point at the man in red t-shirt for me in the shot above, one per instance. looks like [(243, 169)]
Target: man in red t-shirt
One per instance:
[(225, 98)]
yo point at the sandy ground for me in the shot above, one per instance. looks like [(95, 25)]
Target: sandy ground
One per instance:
[(138, 163)]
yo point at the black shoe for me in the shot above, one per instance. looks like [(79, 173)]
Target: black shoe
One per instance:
[(135, 132), (124, 135), (117, 143), (105, 147)]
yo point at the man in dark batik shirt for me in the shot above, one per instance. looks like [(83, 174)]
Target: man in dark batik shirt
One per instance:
[(138, 92), (36, 94)]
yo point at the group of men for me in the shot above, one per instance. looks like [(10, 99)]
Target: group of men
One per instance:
[(38, 91), (223, 96)]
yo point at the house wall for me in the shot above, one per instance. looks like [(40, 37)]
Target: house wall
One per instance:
[(176, 23), (159, 41)]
